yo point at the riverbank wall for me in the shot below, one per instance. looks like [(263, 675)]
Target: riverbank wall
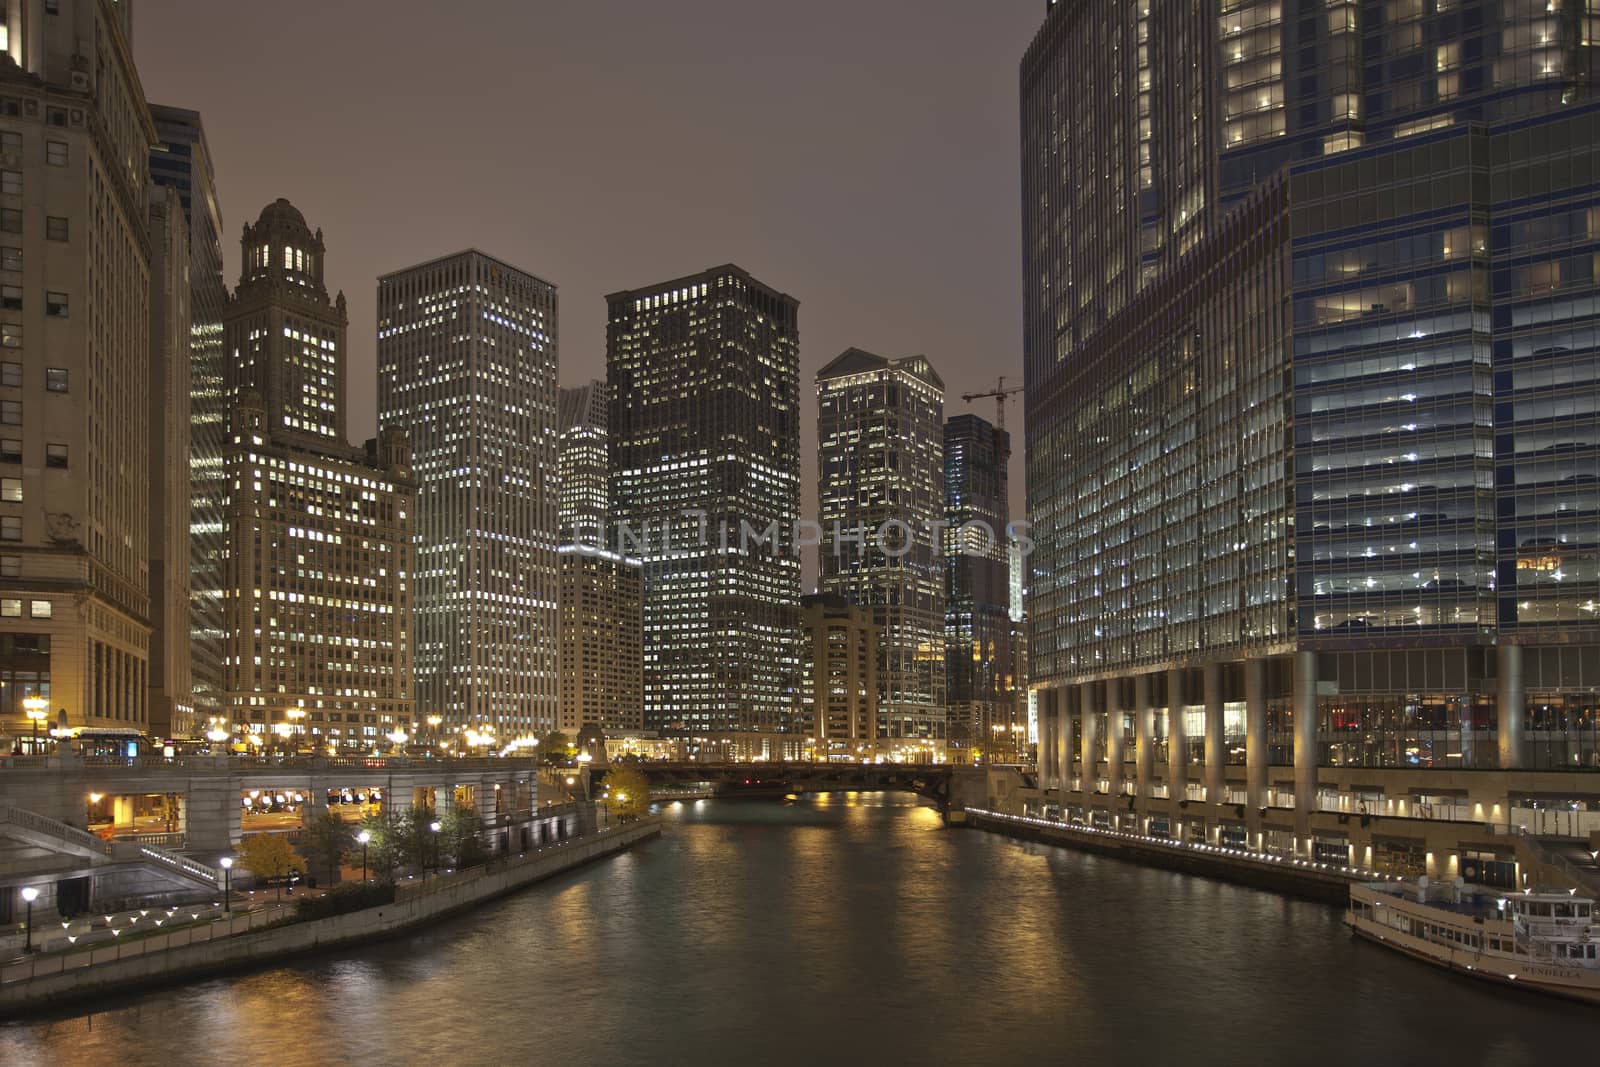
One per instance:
[(1293, 878), (46, 982)]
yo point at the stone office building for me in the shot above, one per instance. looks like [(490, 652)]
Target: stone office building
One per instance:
[(319, 555)]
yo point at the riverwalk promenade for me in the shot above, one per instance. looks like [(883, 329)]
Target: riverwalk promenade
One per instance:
[(264, 936)]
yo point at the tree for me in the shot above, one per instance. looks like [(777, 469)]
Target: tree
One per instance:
[(458, 830), (415, 843), (383, 849), (629, 793), (323, 841), (556, 747), (270, 856)]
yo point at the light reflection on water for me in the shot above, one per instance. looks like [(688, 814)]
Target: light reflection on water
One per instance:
[(844, 929)]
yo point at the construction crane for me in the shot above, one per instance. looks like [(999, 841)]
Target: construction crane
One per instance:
[(999, 392)]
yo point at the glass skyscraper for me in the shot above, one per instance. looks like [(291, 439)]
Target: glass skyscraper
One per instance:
[(704, 374), (1311, 345), (979, 662), (182, 160)]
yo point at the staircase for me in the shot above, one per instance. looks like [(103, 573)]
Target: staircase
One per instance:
[(74, 839), (1571, 857), (80, 842), (181, 864)]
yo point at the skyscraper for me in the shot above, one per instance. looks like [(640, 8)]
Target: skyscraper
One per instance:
[(601, 602), (75, 373), (705, 443), (171, 688), (979, 667), (182, 161), (467, 367), (317, 580), (880, 487), (1310, 331), (583, 472)]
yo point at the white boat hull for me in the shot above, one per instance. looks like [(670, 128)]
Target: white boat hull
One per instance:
[(1572, 982)]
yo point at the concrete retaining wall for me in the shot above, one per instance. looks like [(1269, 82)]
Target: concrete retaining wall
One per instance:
[(1299, 881), (140, 967)]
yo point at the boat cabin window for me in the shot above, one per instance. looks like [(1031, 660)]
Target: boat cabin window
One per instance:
[(1563, 911)]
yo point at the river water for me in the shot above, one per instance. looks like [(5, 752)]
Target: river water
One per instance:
[(844, 929)]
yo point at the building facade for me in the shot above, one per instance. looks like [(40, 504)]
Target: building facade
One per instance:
[(583, 469), (467, 351), (602, 641), (318, 534), (171, 690), (839, 668), (75, 372), (979, 666), (601, 597), (1310, 333), (182, 161), (705, 443), (881, 498)]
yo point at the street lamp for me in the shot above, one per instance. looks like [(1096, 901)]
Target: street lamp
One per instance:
[(227, 883), (29, 894), (36, 708), (584, 760), (364, 837), (434, 826)]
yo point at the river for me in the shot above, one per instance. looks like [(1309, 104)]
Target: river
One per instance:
[(844, 929)]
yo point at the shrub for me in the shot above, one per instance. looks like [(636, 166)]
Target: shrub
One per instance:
[(343, 899)]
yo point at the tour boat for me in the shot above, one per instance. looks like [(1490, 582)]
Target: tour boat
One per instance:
[(1549, 942)]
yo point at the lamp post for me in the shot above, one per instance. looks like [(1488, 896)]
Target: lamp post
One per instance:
[(29, 894), (364, 837), (227, 883), (584, 760), (36, 708), (434, 826)]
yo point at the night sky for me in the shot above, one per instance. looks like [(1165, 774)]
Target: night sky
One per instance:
[(861, 155)]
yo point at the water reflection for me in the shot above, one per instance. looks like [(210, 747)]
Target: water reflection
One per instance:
[(850, 928)]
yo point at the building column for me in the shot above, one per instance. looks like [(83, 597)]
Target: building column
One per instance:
[(1509, 705), (1305, 740), (1114, 741), (1063, 716), (1086, 709), (1255, 738), (1058, 736), (1144, 726), (1216, 736), (1177, 752)]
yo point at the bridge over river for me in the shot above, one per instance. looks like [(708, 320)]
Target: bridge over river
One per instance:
[(677, 781)]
